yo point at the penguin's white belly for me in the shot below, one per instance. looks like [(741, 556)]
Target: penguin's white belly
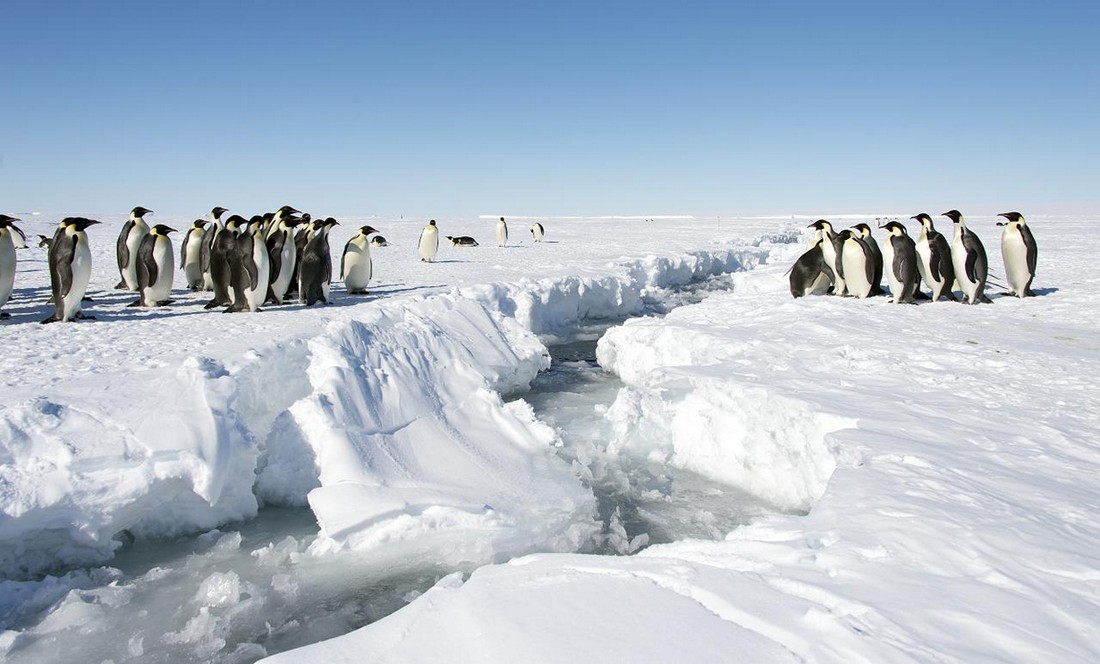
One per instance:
[(855, 270), (429, 244), (1014, 253), (888, 267), (357, 267), (7, 267), (133, 243), (166, 266), (256, 296), (287, 257), (192, 269), (958, 261), (82, 273), (829, 251), (537, 232), (502, 234), (924, 263)]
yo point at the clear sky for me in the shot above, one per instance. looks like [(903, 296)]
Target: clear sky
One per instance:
[(562, 107)]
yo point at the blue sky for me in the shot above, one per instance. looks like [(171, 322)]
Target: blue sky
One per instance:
[(458, 108)]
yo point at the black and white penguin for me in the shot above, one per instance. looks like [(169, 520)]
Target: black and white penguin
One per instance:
[(43, 242), (1020, 254), (856, 265), (283, 254), (502, 233), (70, 261), (900, 256), (155, 268), (251, 270), (934, 259), (208, 243), (191, 254), (379, 241), (831, 249), (223, 256), (356, 267), (969, 260), (429, 242), (316, 274), (811, 274), (876, 256), (462, 241), (8, 232), (301, 237), (129, 239), (272, 220), (538, 232)]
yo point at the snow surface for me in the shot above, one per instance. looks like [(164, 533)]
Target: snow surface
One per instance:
[(945, 455)]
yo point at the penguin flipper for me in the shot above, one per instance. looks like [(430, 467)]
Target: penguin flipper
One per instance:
[(122, 249), (1031, 251), (253, 274)]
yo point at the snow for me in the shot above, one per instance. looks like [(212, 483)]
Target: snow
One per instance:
[(930, 468)]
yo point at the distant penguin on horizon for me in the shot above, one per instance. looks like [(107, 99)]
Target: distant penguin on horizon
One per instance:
[(8, 232), (900, 261), (129, 240), (934, 259), (155, 268), (1020, 254), (191, 254), (538, 232), (502, 233), (969, 260), (429, 242), (70, 261), (356, 267)]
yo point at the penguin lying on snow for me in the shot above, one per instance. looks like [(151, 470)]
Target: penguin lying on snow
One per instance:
[(379, 241), (462, 241), (70, 261)]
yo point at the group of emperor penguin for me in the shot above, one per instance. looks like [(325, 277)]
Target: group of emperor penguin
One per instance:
[(850, 263)]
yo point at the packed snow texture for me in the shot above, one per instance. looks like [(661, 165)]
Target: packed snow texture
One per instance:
[(959, 523)]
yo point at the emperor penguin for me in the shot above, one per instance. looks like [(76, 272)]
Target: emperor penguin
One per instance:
[(830, 248), (355, 265), (129, 239), (283, 254), (8, 232), (462, 241), (44, 242), (969, 260), (301, 237), (810, 274), (208, 244), (502, 233), (251, 269), (379, 241), (155, 268), (70, 261), (900, 255), (857, 267), (538, 232), (222, 259), (271, 224), (876, 256), (191, 254), (429, 242), (1020, 254), (315, 278), (934, 259)]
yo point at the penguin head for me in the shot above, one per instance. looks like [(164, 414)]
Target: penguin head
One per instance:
[(139, 212), (846, 234), (257, 221), (161, 229), (864, 229), (367, 230), (218, 212), (199, 224), (77, 223), (330, 222), (287, 210), (821, 225), (894, 228), (235, 223), (954, 215), (502, 218), (923, 219), (306, 218), (1013, 217), (6, 221), (43, 241)]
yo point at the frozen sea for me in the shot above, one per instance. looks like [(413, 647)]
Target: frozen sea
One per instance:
[(626, 443)]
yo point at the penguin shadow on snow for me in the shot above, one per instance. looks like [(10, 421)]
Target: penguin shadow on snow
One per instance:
[(1038, 292)]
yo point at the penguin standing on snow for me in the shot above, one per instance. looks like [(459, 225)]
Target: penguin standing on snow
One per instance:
[(222, 258), (811, 274), (969, 260), (901, 263), (830, 247), (1020, 253), (208, 244), (934, 259), (155, 268), (857, 267), (316, 275), (8, 232), (251, 271), (191, 254), (129, 240), (283, 254), (429, 242), (301, 238), (70, 261), (876, 256), (355, 265), (538, 232), (502, 233)]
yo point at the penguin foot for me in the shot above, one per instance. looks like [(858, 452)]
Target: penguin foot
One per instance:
[(984, 299), (122, 285), (136, 303), (80, 315), (234, 309), (214, 304), (164, 303), (87, 298), (51, 319)]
